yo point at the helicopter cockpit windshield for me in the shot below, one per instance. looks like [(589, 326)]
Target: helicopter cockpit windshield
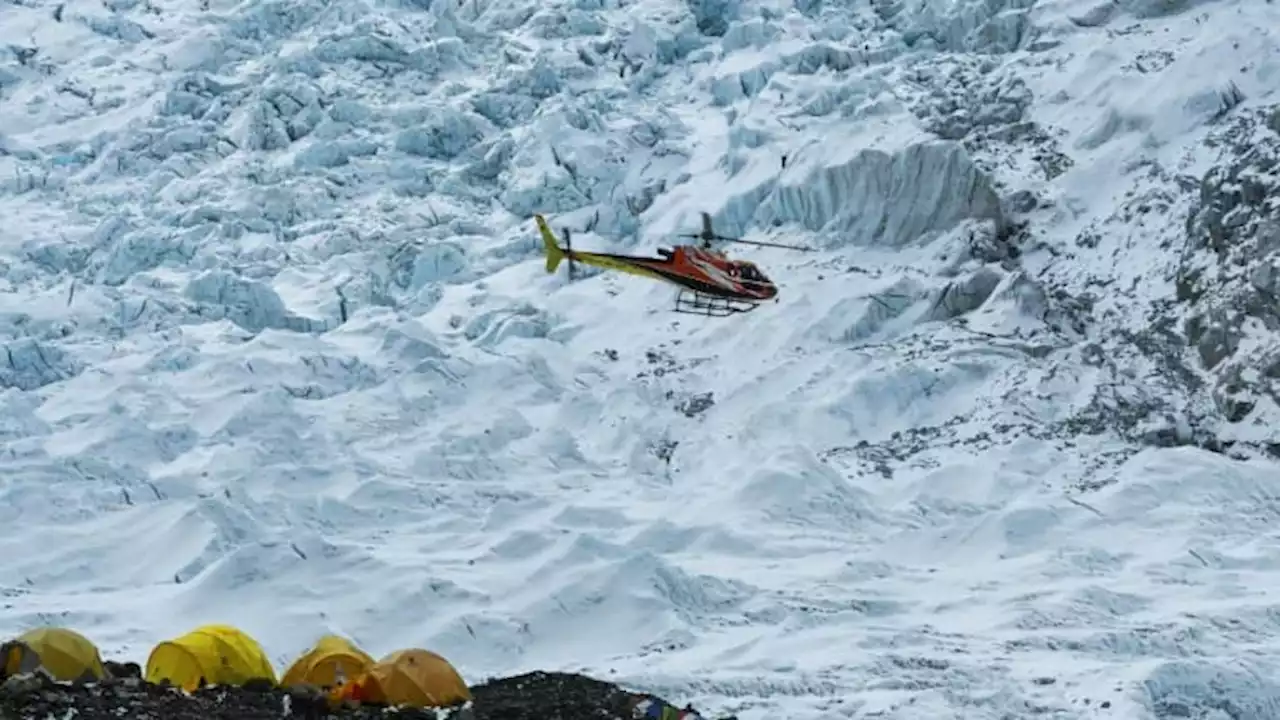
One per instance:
[(748, 271)]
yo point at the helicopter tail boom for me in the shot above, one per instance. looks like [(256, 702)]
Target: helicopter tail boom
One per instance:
[(644, 267)]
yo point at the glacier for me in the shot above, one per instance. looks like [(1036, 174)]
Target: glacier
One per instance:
[(280, 350)]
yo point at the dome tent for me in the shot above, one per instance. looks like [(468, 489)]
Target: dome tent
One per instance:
[(216, 654), (416, 678), (65, 654), (332, 661)]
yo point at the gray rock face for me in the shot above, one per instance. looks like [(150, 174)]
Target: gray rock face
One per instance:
[(1230, 272)]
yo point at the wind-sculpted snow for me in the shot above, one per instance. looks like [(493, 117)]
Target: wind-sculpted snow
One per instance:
[(281, 352), (1096, 14)]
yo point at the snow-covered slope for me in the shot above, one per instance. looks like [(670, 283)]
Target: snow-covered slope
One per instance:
[(280, 351)]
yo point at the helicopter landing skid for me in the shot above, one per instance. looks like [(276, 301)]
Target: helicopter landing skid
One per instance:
[(696, 303)]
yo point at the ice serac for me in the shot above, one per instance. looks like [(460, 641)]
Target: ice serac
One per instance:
[(870, 196), (976, 26), (250, 304), (27, 364), (1201, 689)]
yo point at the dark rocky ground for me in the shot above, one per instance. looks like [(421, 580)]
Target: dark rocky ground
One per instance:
[(533, 696)]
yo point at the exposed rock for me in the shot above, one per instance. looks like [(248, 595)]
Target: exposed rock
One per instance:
[(964, 97), (970, 99), (533, 696), (1230, 273), (538, 695)]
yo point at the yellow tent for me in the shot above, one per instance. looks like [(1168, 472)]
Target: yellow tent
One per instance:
[(220, 654), (65, 654), (416, 678), (332, 661)]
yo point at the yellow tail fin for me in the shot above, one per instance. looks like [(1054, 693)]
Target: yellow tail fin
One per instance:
[(554, 253)]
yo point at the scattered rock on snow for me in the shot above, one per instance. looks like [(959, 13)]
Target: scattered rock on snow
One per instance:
[(965, 97), (1230, 274), (968, 99)]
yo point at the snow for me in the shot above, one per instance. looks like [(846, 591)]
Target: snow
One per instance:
[(280, 350)]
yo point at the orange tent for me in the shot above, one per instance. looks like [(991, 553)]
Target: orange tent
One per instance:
[(414, 678), (330, 662)]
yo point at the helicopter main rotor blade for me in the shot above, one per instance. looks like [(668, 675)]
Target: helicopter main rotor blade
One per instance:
[(761, 243), (708, 234)]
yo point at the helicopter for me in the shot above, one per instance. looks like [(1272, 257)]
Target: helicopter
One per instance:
[(710, 283)]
